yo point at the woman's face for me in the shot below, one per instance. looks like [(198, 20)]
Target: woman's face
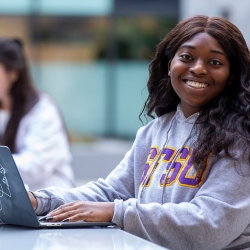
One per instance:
[(7, 78), (199, 72)]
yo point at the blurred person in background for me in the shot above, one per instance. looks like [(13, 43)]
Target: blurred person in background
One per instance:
[(31, 124)]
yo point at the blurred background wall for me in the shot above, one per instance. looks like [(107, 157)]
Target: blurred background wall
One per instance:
[(237, 12), (92, 57)]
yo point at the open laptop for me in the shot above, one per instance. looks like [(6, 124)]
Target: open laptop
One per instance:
[(15, 205)]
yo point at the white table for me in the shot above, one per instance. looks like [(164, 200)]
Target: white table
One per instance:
[(21, 238)]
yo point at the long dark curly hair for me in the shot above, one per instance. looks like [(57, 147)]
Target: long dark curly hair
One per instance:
[(23, 93), (225, 121)]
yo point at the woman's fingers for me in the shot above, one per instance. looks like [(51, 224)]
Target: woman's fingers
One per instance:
[(62, 210), (77, 217), (83, 210), (66, 215)]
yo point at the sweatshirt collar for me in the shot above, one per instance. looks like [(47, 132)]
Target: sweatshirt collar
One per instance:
[(180, 117)]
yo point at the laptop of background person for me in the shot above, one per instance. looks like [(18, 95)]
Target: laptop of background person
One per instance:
[(15, 205)]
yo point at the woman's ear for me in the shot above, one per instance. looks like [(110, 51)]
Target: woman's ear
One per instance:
[(169, 68), (13, 76)]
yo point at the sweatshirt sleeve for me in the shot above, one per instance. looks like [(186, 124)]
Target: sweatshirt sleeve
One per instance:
[(216, 216), (118, 185), (41, 143)]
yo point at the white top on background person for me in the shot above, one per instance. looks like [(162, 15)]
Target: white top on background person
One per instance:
[(31, 125), (42, 151)]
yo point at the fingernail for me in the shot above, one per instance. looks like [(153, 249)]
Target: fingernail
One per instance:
[(67, 219), (43, 218), (49, 218)]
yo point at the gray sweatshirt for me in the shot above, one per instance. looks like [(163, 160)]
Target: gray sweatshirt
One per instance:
[(157, 195)]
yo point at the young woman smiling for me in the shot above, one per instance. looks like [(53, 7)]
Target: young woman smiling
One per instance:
[(185, 183)]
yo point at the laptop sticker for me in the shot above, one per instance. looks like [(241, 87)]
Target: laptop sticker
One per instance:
[(4, 186)]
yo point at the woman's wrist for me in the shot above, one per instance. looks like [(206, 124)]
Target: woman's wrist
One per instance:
[(32, 200)]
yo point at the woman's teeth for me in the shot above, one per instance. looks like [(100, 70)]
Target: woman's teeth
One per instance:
[(196, 84)]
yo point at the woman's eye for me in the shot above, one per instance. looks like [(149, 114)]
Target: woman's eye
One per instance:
[(186, 57), (215, 62)]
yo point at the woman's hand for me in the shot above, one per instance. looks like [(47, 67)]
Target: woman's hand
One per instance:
[(83, 210), (32, 200)]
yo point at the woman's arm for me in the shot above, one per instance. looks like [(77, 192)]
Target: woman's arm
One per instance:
[(79, 210), (118, 185)]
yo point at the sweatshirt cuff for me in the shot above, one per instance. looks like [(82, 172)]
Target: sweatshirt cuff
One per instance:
[(43, 203), (118, 213)]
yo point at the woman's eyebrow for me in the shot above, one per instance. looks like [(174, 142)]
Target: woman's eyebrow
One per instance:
[(218, 52), (212, 50), (186, 46)]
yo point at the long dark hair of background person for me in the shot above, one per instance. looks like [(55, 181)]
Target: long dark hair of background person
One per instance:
[(23, 93)]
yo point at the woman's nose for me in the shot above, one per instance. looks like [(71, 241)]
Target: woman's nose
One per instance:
[(198, 68)]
